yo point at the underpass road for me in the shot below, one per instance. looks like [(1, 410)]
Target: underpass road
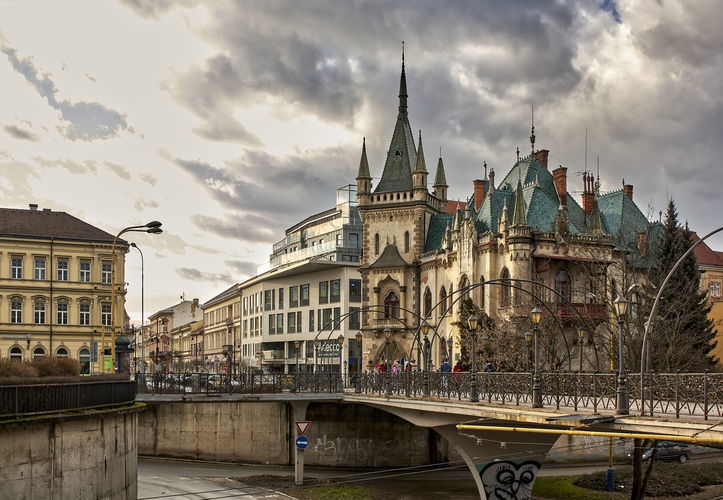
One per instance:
[(181, 480)]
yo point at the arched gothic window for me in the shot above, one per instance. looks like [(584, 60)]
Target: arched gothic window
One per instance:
[(464, 288), (563, 284), (442, 300), (482, 293), (406, 242), (427, 302), (505, 289), (391, 306), (376, 244)]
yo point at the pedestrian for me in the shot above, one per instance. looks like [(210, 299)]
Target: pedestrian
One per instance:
[(395, 367), (445, 367), (457, 367)]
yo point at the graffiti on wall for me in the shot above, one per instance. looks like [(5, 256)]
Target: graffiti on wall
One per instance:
[(340, 450), (507, 480)]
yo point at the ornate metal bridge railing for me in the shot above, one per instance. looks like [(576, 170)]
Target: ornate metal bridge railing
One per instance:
[(699, 394)]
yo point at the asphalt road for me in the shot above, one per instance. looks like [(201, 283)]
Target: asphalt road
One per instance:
[(180, 480)]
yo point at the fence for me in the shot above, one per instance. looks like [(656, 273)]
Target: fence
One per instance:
[(27, 400), (699, 394)]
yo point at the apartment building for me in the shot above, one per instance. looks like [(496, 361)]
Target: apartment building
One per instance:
[(55, 285)]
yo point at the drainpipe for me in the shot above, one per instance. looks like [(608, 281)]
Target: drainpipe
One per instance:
[(51, 296)]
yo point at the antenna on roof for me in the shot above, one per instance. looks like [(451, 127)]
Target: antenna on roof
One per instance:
[(532, 137), (585, 149)]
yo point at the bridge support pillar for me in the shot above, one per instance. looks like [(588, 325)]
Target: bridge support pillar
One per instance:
[(299, 409)]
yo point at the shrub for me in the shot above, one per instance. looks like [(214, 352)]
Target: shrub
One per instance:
[(10, 368), (48, 366)]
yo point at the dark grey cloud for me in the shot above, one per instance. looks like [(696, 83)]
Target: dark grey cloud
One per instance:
[(21, 134), (194, 274), (118, 170), (242, 268), (244, 227), (85, 121), (89, 166), (154, 9)]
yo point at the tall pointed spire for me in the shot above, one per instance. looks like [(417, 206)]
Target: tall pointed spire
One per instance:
[(519, 217), (440, 180), (363, 177), (420, 165), (403, 89), (532, 136)]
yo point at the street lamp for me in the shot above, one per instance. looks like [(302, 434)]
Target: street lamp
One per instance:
[(536, 316), (426, 350), (340, 339), (153, 227), (387, 336), (359, 338), (621, 407), (581, 332), (316, 346), (484, 341), (528, 341), (296, 345), (450, 346), (143, 314), (472, 322)]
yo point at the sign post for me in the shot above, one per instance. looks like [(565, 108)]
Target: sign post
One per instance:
[(300, 441)]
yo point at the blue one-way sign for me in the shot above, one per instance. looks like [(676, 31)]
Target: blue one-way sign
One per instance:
[(302, 442)]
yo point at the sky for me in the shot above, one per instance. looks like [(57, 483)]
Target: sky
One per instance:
[(230, 121)]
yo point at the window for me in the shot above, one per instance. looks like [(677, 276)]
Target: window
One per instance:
[(84, 318), (354, 323), (443, 300), (279, 323), (85, 272), (106, 272), (304, 295), (337, 317), (62, 270), (16, 354), (84, 358), (464, 288), (335, 295), (506, 290), (62, 352), (563, 284), (291, 319), (62, 313), (482, 293), (354, 290), (339, 240), (298, 321), (326, 319), (311, 320), (16, 269), (391, 306), (16, 311), (39, 352), (105, 311), (406, 242), (281, 298), (427, 302), (272, 324), (245, 328), (39, 269), (376, 244), (353, 240), (293, 296), (350, 258), (323, 292), (39, 312)]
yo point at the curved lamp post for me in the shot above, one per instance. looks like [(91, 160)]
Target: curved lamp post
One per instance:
[(472, 323), (536, 316), (153, 227), (621, 406), (387, 381), (143, 314), (357, 385), (581, 332), (425, 327), (340, 339), (528, 341), (296, 345)]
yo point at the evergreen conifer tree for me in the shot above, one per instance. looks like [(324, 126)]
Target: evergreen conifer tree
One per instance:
[(682, 333)]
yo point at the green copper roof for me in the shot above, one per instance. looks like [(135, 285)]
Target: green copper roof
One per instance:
[(519, 218), (622, 215), (364, 163), (438, 225)]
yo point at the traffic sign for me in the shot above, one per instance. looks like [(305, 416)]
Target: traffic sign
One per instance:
[(302, 426), (302, 442)]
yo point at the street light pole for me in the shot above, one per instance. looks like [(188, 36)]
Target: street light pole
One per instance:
[(450, 347), (473, 397), (143, 314), (621, 406), (536, 388), (359, 338), (485, 341), (153, 227), (528, 340), (426, 350), (388, 386), (581, 334)]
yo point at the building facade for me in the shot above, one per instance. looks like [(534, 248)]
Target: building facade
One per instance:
[(161, 348), (418, 260), (55, 285)]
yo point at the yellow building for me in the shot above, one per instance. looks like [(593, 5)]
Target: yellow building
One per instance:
[(710, 264), (221, 332), (55, 285)]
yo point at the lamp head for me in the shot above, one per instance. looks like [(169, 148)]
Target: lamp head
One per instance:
[(317, 342), (154, 230), (296, 344), (154, 223), (425, 328), (450, 343), (621, 306), (528, 337), (387, 333), (340, 339), (581, 332), (536, 316), (359, 337), (472, 322), (134, 245), (484, 340)]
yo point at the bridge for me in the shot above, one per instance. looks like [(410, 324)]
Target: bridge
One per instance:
[(499, 435)]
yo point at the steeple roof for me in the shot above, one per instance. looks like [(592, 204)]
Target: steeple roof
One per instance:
[(440, 179), (519, 218), (364, 163), (420, 165), (402, 153)]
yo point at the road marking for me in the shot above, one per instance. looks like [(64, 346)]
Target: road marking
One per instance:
[(214, 470)]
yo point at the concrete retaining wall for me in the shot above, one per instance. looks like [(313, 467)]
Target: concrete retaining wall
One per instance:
[(92, 457), (339, 435)]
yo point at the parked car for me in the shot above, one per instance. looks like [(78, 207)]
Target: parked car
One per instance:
[(668, 451)]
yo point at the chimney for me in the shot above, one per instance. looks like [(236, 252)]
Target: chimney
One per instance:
[(542, 155), (479, 193), (628, 188), (492, 179), (33, 206), (588, 197), (559, 177)]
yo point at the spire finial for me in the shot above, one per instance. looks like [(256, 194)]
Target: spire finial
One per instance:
[(532, 137), (403, 89), (518, 155)]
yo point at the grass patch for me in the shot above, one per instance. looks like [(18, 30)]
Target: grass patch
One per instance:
[(317, 489)]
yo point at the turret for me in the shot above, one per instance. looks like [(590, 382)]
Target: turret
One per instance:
[(440, 181), (364, 178), (419, 175)]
